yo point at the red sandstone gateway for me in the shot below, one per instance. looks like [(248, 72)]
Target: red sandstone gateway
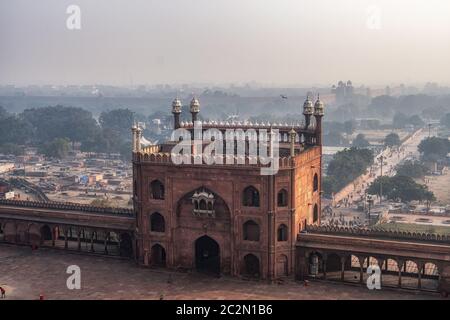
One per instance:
[(228, 218)]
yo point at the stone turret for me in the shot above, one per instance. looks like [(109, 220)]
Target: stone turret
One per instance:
[(138, 139), (133, 138), (318, 114), (176, 111), (307, 111), (195, 108)]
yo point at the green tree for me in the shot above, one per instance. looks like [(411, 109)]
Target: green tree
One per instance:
[(50, 123), (401, 188), (381, 184), (118, 120), (413, 169), (348, 164), (329, 185), (434, 148), (360, 141), (392, 139), (15, 130), (416, 121), (58, 148)]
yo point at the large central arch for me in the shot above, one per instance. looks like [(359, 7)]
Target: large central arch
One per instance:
[(213, 221), (207, 255)]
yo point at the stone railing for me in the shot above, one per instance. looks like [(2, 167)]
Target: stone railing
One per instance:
[(66, 206), (377, 233), (298, 126), (165, 158)]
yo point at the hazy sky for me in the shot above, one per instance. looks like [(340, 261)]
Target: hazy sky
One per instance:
[(284, 42)]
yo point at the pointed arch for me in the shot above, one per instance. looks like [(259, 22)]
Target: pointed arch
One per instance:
[(158, 255), (157, 190), (282, 198), (157, 222), (316, 182), (282, 233), (251, 266), (315, 213), (250, 197), (207, 255)]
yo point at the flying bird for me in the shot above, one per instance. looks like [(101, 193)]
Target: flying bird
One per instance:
[(283, 96)]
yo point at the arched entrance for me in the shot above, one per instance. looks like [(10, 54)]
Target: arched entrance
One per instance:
[(316, 265), (158, 256), (10, 232), (126, 246), (22, 233), (46, 233), (251, 266), (34, 235), (207, 255)]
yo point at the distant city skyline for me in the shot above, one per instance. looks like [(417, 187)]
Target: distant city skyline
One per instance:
[(271, 43)]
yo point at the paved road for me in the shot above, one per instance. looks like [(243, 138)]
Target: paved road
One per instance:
[(392, 157)]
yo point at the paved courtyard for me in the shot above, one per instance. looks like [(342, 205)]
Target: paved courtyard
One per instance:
[(26, 274)]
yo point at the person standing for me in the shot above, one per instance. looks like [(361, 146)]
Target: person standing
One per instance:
[(2, 292)]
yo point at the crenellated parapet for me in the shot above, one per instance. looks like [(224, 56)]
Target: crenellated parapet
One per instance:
[(376, 232), (290, 138), (67, 206), (283, 128), (219, 160)]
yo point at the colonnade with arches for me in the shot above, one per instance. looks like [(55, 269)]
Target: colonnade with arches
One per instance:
[(395, 271), (68, 237)]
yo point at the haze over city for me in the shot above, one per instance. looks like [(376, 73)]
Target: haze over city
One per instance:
[(285, 42), (244, 151)]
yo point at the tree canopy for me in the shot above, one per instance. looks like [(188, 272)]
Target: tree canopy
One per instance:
[(434, 148), (58, 148), (360, 141), (345, 167), (401, 188), (15, 130), (118, 120), (401, 120), (53, 128), (392, 139), (416, 121), (75, 124), (413, 169)]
